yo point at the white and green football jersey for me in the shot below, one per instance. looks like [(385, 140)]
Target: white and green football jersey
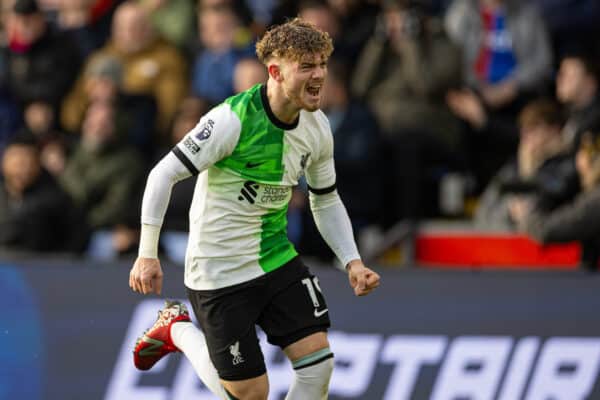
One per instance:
[(248, 161)]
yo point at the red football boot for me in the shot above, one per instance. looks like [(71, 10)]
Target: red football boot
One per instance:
[(156, 341)]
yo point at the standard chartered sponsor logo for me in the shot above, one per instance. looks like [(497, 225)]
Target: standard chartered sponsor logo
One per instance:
[(274, 194), (435, 367), (251, 190)]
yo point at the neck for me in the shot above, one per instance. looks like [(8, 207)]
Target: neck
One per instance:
[(586, 96), (281, 106)]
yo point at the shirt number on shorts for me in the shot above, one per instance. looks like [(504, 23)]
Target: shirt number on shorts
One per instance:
[(310, 286)]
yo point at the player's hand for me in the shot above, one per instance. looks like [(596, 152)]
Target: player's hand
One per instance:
[(146, 276), (362, 279)]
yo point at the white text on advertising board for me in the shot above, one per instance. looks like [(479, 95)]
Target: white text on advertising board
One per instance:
[(473, 367)]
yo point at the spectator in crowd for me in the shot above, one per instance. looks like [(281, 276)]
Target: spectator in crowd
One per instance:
[(212, 74), (101, 80), (244, 13), (103, 176), (10, 113), (74, 18), (247, 73), (173, 20), (406, 69), (506, 49), (42, 63), (357, 20), (491, 138), (53, 144), (404, 73), (576, 220), (35, 213), (543, 170), (262, 13), (322, 16), (151, 67), (578, 88)]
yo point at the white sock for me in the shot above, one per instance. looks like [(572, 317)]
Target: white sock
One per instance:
[(191, 342), (312, 374)]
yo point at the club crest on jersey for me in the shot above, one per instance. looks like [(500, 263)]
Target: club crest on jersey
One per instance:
[(205, 130), (303, 162)]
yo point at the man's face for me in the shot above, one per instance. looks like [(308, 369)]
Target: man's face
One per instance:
[(98, 126), (131, 29), (217, 29), (20, 166), (303, 80), (571, 79), (539, 140)]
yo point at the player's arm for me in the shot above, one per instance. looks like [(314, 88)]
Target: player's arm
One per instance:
[(334, 225), (212, 139), (146, 275)]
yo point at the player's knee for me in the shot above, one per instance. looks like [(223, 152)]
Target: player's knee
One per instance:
[(317, 372), (252, 389)]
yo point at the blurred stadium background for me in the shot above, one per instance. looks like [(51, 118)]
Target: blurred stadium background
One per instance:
[(467, 153)]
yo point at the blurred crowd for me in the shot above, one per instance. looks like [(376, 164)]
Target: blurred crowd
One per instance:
[(487, 110)]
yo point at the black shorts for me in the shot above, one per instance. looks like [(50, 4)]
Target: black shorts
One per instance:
[(287, 304)]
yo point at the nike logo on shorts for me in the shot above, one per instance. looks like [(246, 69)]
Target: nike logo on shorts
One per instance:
[(320, 313), (253, 164)]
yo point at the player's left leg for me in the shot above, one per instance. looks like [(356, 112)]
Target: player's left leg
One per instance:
[(296, 319), (312, 361), (173, 331)]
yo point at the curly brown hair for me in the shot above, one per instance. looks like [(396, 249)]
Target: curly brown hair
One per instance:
[(292, 40)]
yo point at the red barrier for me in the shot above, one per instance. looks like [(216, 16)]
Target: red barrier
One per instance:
[(452, 250)]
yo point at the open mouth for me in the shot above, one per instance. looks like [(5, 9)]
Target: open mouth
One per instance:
[(314, 90)]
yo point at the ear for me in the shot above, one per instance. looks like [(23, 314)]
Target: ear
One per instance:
[(275, 72)]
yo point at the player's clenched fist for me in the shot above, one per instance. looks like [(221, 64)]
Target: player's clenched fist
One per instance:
[(146, 276), (362, 279)]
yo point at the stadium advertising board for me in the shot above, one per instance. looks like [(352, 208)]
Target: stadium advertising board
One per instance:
[(69, 330)]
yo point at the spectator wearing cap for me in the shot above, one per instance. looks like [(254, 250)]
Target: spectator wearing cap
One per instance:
[(42, 63), (576, 220), (35, 213)]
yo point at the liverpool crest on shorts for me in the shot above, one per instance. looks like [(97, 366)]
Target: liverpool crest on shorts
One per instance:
[(234, 349)]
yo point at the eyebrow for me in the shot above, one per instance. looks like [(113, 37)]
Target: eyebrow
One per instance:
[(312, 63)]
